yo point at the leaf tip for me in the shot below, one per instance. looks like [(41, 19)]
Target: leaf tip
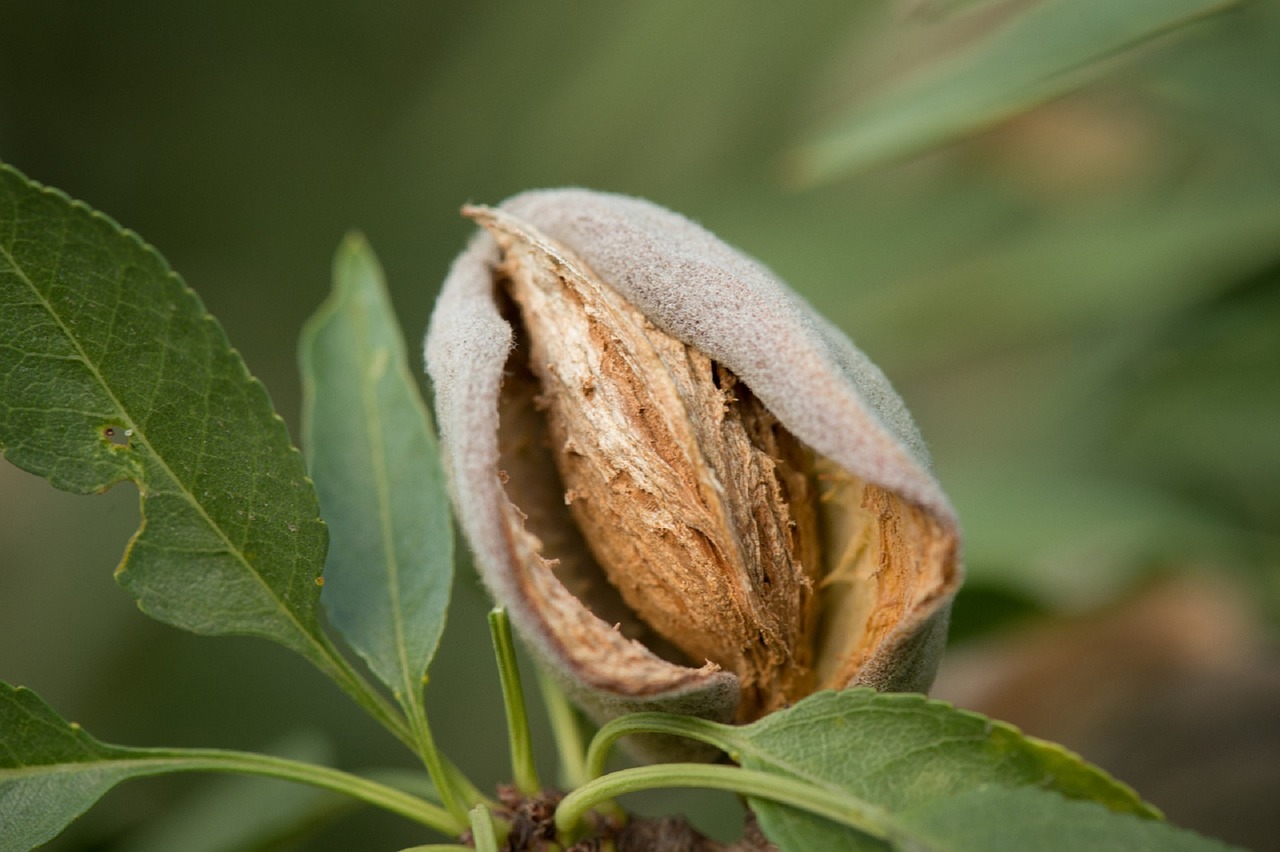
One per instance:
[(354, 241)]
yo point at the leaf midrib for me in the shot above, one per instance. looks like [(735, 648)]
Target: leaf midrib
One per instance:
[(139, 433), (374, 423), (737, 745)]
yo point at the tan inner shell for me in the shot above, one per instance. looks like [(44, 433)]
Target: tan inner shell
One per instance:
[(697, 527)]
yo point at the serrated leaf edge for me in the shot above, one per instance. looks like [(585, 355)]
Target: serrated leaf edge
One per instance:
[(252, 381)]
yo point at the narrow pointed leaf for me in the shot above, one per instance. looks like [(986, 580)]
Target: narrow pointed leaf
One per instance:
[(373, 456), (112, 370), (1050, 49)]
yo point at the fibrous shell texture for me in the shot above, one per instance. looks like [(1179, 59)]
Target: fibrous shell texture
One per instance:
[(691, 492)]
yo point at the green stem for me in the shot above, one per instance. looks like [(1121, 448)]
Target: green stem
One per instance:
[(566, 730), (843, 809), (425, 746), (250, 763), (409, 725), (523, 769), (483, 833), (652, 723), (372, 701)]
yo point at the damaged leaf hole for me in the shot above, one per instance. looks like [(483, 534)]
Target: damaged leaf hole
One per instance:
[(117, 436)]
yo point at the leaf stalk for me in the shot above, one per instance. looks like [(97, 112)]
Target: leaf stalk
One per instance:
[(838, 807), (670, 724), (249, 763)]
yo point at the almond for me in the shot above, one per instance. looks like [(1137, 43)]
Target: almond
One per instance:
[(691, 492)]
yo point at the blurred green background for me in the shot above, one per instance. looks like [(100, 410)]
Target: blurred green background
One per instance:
[(1054, 225)]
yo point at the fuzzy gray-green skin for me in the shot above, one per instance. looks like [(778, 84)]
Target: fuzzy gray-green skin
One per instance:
[(710, 296)]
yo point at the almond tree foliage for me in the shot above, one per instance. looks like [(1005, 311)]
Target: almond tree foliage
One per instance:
[(112, 370)]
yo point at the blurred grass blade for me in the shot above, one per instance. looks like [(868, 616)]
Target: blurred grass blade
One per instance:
[(111, 370), (1046, 51), (373, 457)]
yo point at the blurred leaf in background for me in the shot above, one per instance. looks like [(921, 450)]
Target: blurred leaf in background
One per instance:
[(1074, 286)]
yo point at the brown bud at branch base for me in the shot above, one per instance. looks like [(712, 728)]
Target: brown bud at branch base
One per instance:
[(691, 492)]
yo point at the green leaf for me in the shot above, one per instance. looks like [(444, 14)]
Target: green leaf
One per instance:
[(372, 453), (51, 771), (1029, 818), (888, 754), (804, 814), (901, 752), (111, 370), (1050, 49)]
